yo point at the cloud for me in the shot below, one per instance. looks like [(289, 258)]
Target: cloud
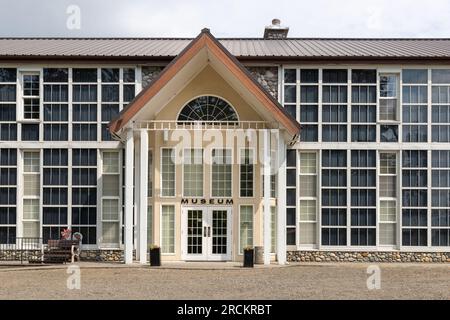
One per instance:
[(230, 18)]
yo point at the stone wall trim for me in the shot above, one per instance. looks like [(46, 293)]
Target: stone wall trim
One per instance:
[(367, 256)]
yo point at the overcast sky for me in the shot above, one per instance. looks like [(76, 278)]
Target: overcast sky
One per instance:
[(227, 18)]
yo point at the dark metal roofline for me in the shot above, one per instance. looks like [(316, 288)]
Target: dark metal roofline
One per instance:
[(228, 38), (94, 38), (247, 58), (245, 49)]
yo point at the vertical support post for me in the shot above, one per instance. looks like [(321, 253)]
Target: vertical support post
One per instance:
[(266, 202), (137, 185), (281, 202), (129, 155), (143, 181)]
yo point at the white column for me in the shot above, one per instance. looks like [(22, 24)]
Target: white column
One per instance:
[(281, 202), (266, 202), (129, 155), (143, 197), (19, 194), (137, 185)]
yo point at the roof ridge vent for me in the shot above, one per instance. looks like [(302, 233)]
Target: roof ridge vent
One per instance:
[(276, 30)]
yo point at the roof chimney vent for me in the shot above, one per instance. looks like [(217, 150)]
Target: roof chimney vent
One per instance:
[(276, 30)]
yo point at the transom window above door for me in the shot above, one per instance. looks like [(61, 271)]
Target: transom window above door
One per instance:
[(208, 108)]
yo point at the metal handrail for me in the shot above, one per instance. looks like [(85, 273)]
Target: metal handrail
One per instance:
[(22, 249)]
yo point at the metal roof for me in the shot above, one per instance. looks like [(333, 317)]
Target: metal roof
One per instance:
[(291, 48)]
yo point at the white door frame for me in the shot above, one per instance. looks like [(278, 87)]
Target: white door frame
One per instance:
[(207, 241)]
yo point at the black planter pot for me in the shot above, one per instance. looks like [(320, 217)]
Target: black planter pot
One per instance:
[(248, 258), (155, 257)]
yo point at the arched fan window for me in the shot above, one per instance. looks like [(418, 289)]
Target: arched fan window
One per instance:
[(208, 108)]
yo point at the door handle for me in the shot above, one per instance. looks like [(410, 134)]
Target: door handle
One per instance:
[(209, 231), (204, 231)]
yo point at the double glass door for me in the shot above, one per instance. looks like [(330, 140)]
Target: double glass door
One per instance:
[(206, 233)]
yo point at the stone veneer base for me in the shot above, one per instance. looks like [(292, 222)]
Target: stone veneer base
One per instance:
[(309, 256), (103, 255), (367, 256)]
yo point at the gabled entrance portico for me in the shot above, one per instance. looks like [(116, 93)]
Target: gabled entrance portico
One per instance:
[(209, 80)]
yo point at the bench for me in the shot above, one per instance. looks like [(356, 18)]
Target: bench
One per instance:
[(62, 251)]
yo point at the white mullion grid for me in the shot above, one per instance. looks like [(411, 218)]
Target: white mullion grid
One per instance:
[(23, 96), (319, 107), (296, 84), (136, 83), (297, 196), (349, 198), (9, 186), (377, 120), (369, 105), (416, 106), (359, 188), (399, 204), (439, 104), (17, 102), (418, 168), (241, 159), (339, 123), (118, 198), (19, 194), (429, 108), (397, 97), (225, 154), (297, 192), (400, 109), (377, 196), (59, 206), (85, 104), (302, 103), (349, 107), (121, 160), (99, 104), (90, 187), (19, 105), (319, 199), (59, 102), (70, 106), (41, 105), (382, 198), (306, 198), (41, 192), (162, 169), (429, 191), (279, 82), (99, 197), (22, 173), (440, 169), (336, 207), (151, 173), (297, 93), (69, 188)]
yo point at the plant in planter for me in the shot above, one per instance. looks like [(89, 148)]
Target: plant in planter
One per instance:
[(248, 257), (155, 255), (66, 234)]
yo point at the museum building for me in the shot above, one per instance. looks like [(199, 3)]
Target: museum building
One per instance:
[(314, 149)]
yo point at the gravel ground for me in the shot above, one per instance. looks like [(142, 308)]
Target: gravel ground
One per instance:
[(306, 281)]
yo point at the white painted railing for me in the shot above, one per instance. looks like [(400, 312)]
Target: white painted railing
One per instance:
[(156, 125)]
